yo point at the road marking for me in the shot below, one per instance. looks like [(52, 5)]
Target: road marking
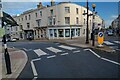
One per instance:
[(118, 49), (110, 61), (33, 69), (51, 56), (118, 42), (108, 43), (102, 57), (76, 51), (36, 59), (25, 49), (54, 49), (34, 78), (67, 47), (92, 52), (64, 54), (39, 52)]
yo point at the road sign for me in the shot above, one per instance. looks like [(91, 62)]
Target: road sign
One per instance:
[(100, 38)]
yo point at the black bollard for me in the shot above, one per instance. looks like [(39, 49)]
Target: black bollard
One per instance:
[(7, 56)]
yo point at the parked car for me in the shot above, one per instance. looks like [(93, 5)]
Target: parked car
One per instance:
[(110, 33)]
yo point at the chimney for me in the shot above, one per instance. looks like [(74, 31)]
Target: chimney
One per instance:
[(39, 5), (52, 2)]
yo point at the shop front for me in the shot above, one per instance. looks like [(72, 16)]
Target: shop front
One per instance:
[(63, 32)]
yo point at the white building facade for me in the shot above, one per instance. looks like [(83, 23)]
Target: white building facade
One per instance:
[(61, 21)]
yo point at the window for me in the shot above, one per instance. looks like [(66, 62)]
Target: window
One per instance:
[(77, 20), (50, 21), (16, 28), (51, 11), (29, 17), (53, 21), (38, 22), (21, 27), (36, 14), (67, 9), (77, 11), (60, 32), (67, 20), (19, 19), (40, 13), (84, 21), (67, 32), (51, 32), (28, 25), (22, 19), (25, 17), (55, 33)]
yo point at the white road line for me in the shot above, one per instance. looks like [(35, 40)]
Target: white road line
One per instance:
[(102, 57), (34, 69), (25, 49), (67, 47), (118, 42), (76, 51), (36, 59), (51, 56), (54, 49), (92, 52), (64, 54), (34, 78), (110, 61), (39, 52), (118, 49), (108, 43)]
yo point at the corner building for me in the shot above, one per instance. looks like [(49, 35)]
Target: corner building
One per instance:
[(61, 21)]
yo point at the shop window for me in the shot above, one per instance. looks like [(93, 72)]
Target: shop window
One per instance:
[(73, 32), (51, 34), (55, 33), (78, 32), (67, 32), (60, 32)]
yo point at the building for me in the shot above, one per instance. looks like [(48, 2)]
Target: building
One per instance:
[(57, 21)]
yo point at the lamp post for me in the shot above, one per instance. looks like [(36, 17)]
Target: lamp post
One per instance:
[(87, 29), (93, 26)]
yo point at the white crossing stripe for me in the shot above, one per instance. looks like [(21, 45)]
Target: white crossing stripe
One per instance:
[(108, 43), (64, 54), (54, 49), (76, 51), (39, 52), (67, 47), (51, 56), (118, 42)]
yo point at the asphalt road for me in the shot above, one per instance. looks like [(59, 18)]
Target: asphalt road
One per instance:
[(55, 60)]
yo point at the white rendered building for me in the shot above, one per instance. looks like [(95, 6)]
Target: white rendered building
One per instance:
[(61, 21)]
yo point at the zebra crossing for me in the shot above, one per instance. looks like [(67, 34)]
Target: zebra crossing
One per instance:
[(55, 50), (113, 44)]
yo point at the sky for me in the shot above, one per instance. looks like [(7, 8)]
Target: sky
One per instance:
[(108, 11)]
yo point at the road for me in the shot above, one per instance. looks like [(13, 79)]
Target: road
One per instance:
[(56, 60), (112, 42)]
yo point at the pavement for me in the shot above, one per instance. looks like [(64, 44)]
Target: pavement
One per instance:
[(18, 61)]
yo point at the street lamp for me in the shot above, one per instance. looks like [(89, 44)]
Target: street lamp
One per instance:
[(93, 26), (87, 29)]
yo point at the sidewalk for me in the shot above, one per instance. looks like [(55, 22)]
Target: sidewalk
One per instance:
[(80, 42), (18, 62)]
